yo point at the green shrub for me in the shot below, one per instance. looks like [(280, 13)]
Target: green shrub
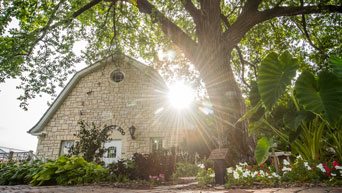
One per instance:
[(153, 164), (142, 166), (15, 173), (68, 171), (205, 176), (122, 170), (185, 169)]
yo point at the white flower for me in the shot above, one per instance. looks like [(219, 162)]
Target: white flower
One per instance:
[(275, 175), (332, 174), (338, 167), (306, 164), (286, 169), (341, 173), (285, 162), (229, 170), (238, 168), (299, 157), (270, 177), (254, 174), (321, 167), (243, 164), (212, 175), (262, 173), (246, 174), (236, 175), (201, 166)]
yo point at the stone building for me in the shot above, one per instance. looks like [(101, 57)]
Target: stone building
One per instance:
[(119, 92)]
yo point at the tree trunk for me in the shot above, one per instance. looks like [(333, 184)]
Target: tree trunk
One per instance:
[(228, 104)]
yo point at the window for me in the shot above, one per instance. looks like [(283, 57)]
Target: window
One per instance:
[(65, 147), (111, 152), (157, 144), (117, 76)]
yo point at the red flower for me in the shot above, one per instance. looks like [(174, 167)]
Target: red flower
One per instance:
[(327, 169), (335, 164), (261, 166), (324, 164)]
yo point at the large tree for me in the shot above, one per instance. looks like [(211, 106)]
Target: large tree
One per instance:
[(219, 37)]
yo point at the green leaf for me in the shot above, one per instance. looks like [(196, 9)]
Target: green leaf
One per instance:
[(252, 126), (293, 135), (262, 150), (293, 119), (336, 64), (276, 72), (321, 96), (250, 112)]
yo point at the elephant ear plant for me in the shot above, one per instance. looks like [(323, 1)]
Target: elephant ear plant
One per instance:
[(316, 99)]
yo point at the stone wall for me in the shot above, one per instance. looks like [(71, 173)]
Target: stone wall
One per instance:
[(139, 100)]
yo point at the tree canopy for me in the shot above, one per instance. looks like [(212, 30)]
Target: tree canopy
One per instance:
[(224, 40)]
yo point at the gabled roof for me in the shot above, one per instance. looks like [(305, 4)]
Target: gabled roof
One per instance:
[(37, 129)]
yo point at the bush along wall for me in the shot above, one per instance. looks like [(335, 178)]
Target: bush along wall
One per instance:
[(64, 171), (143, 167)]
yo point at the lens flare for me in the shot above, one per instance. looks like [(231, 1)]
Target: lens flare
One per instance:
[(180, 95)]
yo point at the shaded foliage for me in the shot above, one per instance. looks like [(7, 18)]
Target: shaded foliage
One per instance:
[(91, 139)]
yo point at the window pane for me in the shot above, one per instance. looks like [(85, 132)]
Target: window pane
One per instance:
[(65, 147), (111, 152), (157, 144)]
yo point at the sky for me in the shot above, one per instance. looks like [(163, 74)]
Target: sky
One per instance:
[(15, 122)]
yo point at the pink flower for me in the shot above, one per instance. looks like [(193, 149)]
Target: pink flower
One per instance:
[(161, 175), (157, 179), (150, 176)]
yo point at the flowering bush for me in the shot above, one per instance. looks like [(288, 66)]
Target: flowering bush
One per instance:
[(299, 171), (157, 179), (243, 174)]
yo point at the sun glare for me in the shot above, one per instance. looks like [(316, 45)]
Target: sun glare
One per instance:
[(180, 95)]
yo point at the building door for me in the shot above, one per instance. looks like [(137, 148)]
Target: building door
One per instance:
[(113, 153)]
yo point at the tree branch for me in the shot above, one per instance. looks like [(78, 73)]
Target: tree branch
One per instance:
[(193, 11), (170, 29), (85, 8), (242, 60), (292, 11), (44, 30), (251, 17), (306, 34), (225, 21)]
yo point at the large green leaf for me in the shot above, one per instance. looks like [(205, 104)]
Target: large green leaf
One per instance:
[(262, 150), (293, 119), (276, 72), (322, 96), (335, 63)]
